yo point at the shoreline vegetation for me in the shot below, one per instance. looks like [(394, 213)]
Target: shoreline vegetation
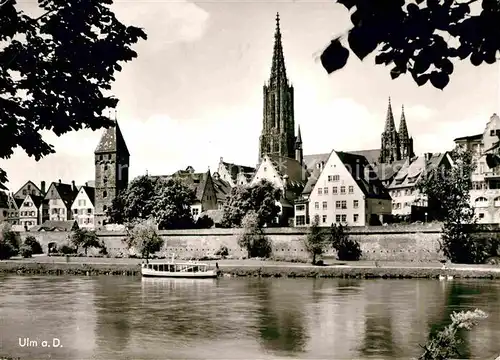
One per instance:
[(81, 266)]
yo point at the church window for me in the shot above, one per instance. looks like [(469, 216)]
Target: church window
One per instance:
[(104, 194)]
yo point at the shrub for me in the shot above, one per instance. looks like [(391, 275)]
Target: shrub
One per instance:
[(67, 250), (9, 242), (33, 243), (26, 251), (204, 222), (347, 249), (315, 240), (253, 238), (223, 251)]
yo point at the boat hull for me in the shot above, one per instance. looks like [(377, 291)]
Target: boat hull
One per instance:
[(179, 274)]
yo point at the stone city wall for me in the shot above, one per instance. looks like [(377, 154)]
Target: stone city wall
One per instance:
[(389, 243)]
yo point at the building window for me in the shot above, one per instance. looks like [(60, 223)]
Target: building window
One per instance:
[(351, 189), (300, 207), (325, 205), (105, 167), (195, 211), (316, 205), (481, 215), (344, 217), (342, 190), (324, 219), (104, 208), (25, 192), (300, 220), (337, 218), (105, 181), (337, 204), (355, 218), (320, 191), (104, 194), (344, 204), (481, 202), (325, 191), (334, 190), (355, 204)]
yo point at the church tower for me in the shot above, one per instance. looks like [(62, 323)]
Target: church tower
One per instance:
[(278, 128), (111, 170), (389, 150), (405, 141)]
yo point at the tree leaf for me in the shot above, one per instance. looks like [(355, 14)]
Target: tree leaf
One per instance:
[(439, 79), (422, 79), (334, 57), (395, 72), (447, 66), (349, 4), (476, 59), (362, 41)]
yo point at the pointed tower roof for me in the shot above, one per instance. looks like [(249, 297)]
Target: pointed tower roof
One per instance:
[(278, 71), (112, 140), (403, 129), (299, 137), (389, 120)]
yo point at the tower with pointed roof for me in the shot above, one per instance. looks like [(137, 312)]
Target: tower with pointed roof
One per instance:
[(112, 160), (278, 128), (405, 141), (389, 149)]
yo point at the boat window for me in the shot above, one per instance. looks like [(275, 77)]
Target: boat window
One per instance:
[(155, 267), (160, 267), (171, 268), (150, 266), (195, 269), (190, 269)]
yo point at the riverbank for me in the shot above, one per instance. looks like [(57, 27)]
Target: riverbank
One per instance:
[(360, 269)]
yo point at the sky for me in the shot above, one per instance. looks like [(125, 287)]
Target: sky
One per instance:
[(194, 94)]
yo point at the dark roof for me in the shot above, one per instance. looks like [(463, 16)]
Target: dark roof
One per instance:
[(371, 155), (26, 183), (415, 168), (364, 175), (297, 175), (51, 225), (222, 188), (234, 170), (194, 181), (470, 138), (90, 191), (311, 182), (66, 192), (38, 200), (112, 141), (19, 202), (387, 171)]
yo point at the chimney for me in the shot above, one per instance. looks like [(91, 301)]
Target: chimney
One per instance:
[(42, 187), (86, 184), (73, 187), (427, 156), (215, 176), (59, 181)]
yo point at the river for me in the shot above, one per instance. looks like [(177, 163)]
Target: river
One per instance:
[(245, 318)]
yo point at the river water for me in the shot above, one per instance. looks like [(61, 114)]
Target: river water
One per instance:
[(245, 318)]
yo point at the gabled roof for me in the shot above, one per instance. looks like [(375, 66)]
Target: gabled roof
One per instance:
[(90, 191), (470, 138), (194, 181), (387, 171), (26, 183), (413, 170), (234, 170), (112, 141), (310, 161), (291, 168), (311, 182), (66, 192), (364, 175), (371, 156), (222, 189), (37, 200)]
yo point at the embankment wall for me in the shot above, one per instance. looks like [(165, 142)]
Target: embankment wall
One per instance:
[(418, 243)]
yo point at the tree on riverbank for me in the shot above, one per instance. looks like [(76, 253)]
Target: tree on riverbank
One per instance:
[(260, 198), (57, 71), (449, 190), (9, 242), (85, 239), (347, 249), (144, 239), (167, 201), (315, 241), (418, 37), (253, 238)]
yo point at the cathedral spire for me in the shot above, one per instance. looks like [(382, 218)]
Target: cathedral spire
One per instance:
[(299, 137), (403, 129), (389, 120), (278, 71)]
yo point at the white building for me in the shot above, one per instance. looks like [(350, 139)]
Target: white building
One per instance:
[(33, 211), (83, 207), (344, 189)]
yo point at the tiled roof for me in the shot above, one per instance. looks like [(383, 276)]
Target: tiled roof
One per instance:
[(310, 161), (51, 225), (38, 200), (364, 175), (371, 155), (194, 181), (470, 138), (234, 170), (112, 141), (90, 191), (311, 181), (66, 193), (222, 189), (413, 170), (386, 172), (290, 167)]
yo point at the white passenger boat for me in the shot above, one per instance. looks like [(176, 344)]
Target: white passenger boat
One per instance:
[(175, 269)]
